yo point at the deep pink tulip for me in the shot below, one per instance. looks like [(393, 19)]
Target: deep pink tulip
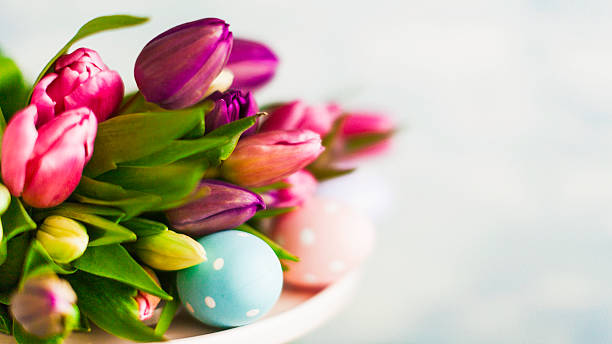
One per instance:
[(269, 157), (363, 135), (253, 64), (44, 165), (81, 79), (299, 115), (147, 303), (176, 68), (302, 186)]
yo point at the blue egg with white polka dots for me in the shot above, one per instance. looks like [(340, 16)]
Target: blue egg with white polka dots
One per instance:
[(240, 281)]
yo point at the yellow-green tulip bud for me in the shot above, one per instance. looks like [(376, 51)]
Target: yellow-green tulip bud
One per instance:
[(169, 251), (5, 198), (64, 239)]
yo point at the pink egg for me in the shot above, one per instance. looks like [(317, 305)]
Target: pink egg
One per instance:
[(329, 237)]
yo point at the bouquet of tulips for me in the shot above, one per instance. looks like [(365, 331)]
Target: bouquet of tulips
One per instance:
[(116, 209)]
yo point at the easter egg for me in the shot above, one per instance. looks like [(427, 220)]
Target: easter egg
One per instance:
[(240, 281), (330, 238)]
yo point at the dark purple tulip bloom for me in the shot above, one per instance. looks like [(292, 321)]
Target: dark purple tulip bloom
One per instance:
[(176, 68), (231, 106), (224, 207), (252, 63)]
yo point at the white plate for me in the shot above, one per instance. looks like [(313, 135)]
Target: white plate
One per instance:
[(296, 313)]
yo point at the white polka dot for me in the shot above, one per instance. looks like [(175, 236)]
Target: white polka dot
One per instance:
[(242, 234), (310, 278), (252, 312), (218, 264), (189, 307), (330, 207), (336, 266), (210, 302), (307, 236)]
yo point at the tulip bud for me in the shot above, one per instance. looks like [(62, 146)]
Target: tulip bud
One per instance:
[(252, 63), (362, 135), (231, 106), (5, 199), (81, 79), (298, 115), (64, 239), (225, 206), (44, 166), (147, 302), (302, 186), (45, 306), (265, 158), (177, 67), (169, 251)]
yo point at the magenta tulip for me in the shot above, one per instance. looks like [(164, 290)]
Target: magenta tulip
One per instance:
[(299, 115), (252, 63), (302, 186), (81, 79), (363, 135), (44, 165), (176, 68), (269, 157), (231, 106)]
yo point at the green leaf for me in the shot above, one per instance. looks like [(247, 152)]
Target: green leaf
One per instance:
[(93, 26), (100, 230), (170, 307), (38, 262), (13, 90), (111, 305), (144, 227), (132, 202), (322, 173), (360, 142), (273, 186), (281, 253), (134, 136), (114, 262), (177, 150), (232, 131), (12, 268), (91, 209), (171, 182), (16, 219), (6, 322), (262, 214), (82, 325)]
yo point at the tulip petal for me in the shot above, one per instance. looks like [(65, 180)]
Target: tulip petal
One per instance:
[(44, 103), (102, 94), (17, 147), (253, 64)]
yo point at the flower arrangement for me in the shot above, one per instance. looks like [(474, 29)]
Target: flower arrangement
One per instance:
[(185, 192)]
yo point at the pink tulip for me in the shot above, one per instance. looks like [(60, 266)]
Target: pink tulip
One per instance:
[(363, 135), (81, 79), (44, 165), (299, 115), (269, 157), (302, 186), (147, 302)]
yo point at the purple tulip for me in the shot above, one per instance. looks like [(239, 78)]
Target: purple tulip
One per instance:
[(81, 79), (231, 106), (252, 63), (269, 157), (176, 68), (299, 115), (302, 186), (44, 306), (45, 165), (225, 206)]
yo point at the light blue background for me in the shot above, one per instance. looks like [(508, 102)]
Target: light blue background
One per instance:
[(498, 196)]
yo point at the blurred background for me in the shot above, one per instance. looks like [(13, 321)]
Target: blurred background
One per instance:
[(494, 210)]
